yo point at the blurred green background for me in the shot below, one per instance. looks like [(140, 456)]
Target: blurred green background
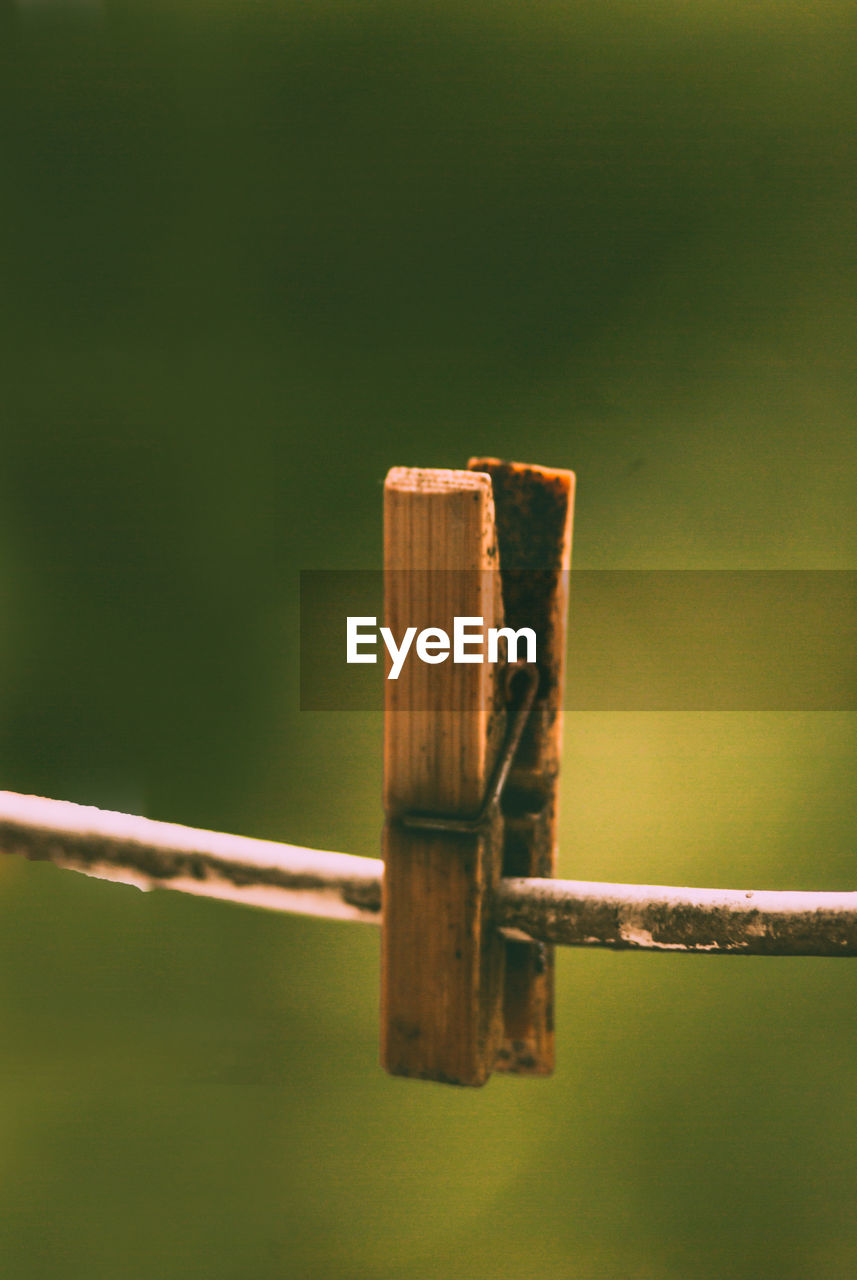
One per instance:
[(255, 254)]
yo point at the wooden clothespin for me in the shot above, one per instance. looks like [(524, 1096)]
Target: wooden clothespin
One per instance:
[(471, 759)]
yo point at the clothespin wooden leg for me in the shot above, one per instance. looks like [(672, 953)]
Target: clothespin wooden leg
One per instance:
[(444, 727), (533, 512)]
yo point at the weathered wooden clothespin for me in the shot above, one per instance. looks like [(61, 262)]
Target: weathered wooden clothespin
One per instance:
[(471, 758)]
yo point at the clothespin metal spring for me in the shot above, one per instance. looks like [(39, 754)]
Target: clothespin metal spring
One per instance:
[(468, 826)]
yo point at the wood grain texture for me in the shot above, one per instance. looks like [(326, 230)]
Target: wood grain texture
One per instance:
[(533, 514), (441, 957)]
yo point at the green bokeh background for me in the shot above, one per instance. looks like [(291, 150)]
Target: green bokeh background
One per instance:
[(255, 254)]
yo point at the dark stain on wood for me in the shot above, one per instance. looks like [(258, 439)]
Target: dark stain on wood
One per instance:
[(533, 514)]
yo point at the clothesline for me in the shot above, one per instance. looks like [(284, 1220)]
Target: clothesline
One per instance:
[(283, 877)]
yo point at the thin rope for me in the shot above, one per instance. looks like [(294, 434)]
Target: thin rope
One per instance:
[(285, 877)]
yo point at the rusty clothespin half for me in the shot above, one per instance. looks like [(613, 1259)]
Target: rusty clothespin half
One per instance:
[(472, 742)]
